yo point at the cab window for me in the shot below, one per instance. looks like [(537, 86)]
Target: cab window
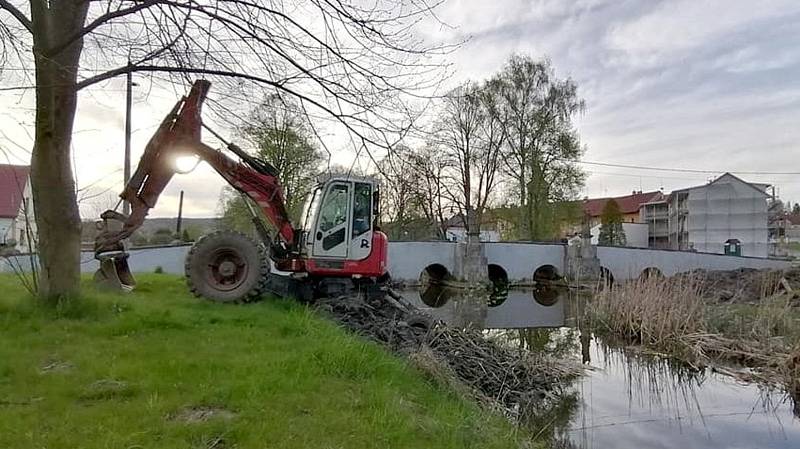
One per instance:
[(362, 208), (334, 208)]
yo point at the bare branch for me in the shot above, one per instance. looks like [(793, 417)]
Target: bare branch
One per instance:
[(26, 22), (111, 15)]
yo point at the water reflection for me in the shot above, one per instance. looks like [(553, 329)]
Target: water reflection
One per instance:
[(496, 309), (625, 399)]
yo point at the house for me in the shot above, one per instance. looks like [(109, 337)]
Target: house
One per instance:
[(655, 213), (629, 206), (636, 230), (456, 231), (17, 225), (636, 235), (793, 228), (726, 216)]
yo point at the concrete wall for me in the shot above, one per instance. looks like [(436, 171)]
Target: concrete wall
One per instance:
[(519, 260), (142, 260), (628, 263), (408, 259)]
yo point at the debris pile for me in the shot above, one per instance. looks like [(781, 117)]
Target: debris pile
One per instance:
[(745, 285), (494, 374)]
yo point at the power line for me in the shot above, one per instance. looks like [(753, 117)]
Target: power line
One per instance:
[(682, 170)]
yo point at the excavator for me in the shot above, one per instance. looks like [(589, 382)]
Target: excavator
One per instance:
[(338, 246)]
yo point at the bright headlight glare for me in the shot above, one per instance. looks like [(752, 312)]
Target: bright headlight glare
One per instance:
[(186, 164)]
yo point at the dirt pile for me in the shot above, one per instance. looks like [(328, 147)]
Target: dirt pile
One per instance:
[(516, 380), (745, 285)]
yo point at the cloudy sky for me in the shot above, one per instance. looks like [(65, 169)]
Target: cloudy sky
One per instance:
[(706, 85)]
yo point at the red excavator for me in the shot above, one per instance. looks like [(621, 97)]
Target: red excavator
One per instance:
[(337, 247)]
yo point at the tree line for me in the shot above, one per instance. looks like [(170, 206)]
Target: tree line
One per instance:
[(506, 146)]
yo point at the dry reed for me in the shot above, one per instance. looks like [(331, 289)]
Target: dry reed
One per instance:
[(674, 316)]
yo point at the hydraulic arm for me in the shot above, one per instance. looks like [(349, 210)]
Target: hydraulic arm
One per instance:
[(180, 135)]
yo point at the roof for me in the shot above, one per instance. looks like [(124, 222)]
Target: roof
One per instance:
[(627, 204), (760, 188), (12, 185)]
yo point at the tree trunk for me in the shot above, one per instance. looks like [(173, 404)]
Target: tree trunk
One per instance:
[(55, 200)]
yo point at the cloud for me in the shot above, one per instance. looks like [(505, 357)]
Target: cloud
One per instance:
[(674, 28)]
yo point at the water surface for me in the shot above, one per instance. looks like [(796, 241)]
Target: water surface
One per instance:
[(624, 400)]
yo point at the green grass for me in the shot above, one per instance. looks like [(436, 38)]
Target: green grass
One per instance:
[(121, 371)]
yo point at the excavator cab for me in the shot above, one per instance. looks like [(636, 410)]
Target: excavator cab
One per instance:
[(338, 220)]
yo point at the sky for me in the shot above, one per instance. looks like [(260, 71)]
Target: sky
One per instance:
[(705, 85)]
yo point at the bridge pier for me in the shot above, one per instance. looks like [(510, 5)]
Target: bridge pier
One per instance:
[(581, 262)]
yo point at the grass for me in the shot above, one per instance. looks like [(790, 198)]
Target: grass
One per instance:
[(159, 368)]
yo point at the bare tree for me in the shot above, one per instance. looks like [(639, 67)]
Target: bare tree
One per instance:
[(399, 188), (429, 169), (346, 60), (470, 135)]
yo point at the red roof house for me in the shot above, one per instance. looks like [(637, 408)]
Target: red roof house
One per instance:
[(628, 205), (13, 182)]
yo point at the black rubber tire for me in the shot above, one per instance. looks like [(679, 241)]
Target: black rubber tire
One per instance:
[(254, 276)]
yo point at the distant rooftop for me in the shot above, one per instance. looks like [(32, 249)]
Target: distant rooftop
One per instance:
[(628, 204)]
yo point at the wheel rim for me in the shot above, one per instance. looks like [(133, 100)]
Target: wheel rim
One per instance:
[(227, 270)]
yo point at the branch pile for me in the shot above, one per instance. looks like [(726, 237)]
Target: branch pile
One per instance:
[(514, 379)]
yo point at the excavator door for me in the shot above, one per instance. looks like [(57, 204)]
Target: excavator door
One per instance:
[(339, 223)]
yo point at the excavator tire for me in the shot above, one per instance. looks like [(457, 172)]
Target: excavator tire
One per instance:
[(227, 266)]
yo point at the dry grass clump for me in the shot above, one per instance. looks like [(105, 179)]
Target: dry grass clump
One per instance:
[(675, 316), (656, 312)]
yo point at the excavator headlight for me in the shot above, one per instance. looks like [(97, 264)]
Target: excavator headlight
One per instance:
[(186, 164)]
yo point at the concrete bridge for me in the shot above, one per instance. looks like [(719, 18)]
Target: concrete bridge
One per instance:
[(519, 261), (516, 261)]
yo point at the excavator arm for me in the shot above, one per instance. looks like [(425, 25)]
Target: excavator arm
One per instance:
[(180, 135)]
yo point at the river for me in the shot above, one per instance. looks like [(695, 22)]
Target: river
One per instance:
[(625, 400)]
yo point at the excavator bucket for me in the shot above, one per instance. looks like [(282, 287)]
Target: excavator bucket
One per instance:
[(114, 273)]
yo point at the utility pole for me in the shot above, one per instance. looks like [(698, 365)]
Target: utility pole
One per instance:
[(126, 206), (180, 216)]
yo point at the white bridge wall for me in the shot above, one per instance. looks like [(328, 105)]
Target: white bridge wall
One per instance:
[(628, 263), (520, 260)]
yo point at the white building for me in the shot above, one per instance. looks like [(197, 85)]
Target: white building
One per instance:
[(723, 214), (636, 234), (459, 234), (15, 201)]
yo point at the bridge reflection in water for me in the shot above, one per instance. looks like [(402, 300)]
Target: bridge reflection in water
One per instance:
[(625, 399)]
